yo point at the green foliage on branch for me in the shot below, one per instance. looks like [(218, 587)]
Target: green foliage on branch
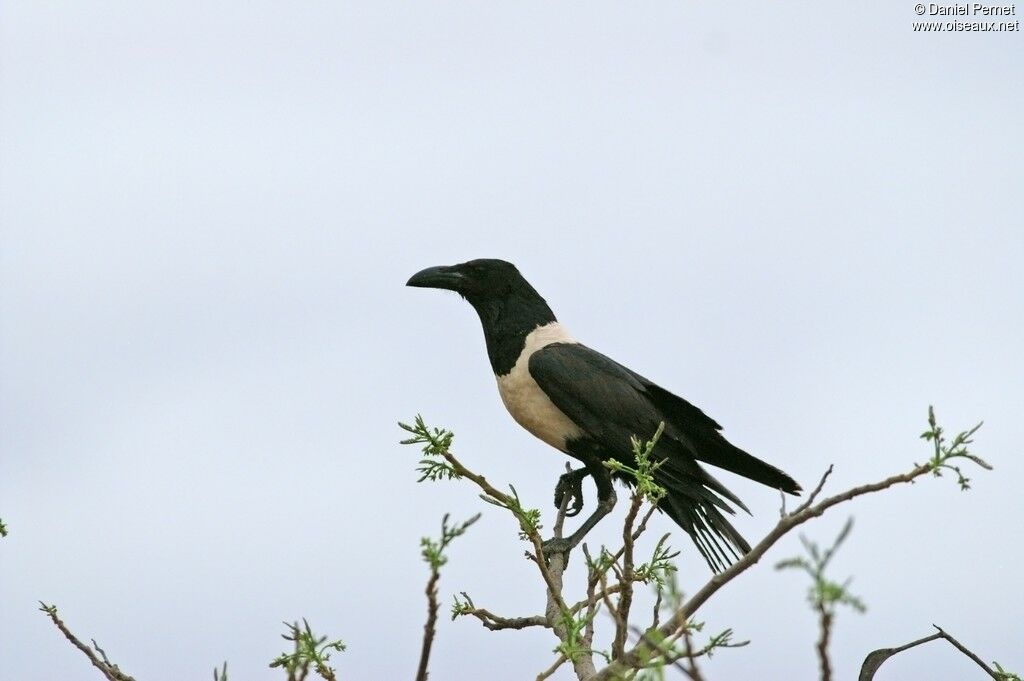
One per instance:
[(436, 443), (529, 518), (957, 449), (433, 549), (660, 568), (824, 593), (461, 606), (574, 644), (1004, 675), (310, 650), (643, 474), (439, 464), (669, 641)]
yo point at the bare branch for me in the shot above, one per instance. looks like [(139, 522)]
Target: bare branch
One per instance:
[(109, 670), (599, 574), (626, 578), (824, 633), (496, 623), (592, 601), (429, 628), (691, 669), (876, 658), (594, 596), (815, 492), (963, 649), (559, 661), (492, 621)]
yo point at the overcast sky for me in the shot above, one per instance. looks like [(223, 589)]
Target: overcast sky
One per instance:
[(805, 219)]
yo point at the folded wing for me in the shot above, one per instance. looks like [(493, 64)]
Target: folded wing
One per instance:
[(610, 403)]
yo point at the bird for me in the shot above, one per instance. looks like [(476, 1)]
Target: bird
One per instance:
[(589, 406)]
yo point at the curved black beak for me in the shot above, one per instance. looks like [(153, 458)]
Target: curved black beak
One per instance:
[(438, 277)]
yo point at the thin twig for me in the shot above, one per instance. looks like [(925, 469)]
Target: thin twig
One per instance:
[(783, 527), (641, 528), (605, 596), (429, 628), (963, 649), (109, 670), (497, 623), (590, 602), (691, 656), (875, 658), (588, 632), (656, 618), (626, 578), (669, 655), (825, 631), (593, 595), (559, 661), (815, 492), (433, 555)]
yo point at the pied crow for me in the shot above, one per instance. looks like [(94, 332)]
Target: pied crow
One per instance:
[(587, 406)]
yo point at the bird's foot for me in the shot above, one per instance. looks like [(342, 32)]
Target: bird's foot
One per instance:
[(555, 546), (571, 484)]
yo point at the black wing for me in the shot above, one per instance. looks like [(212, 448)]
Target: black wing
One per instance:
[(606, 401), (609, 404)]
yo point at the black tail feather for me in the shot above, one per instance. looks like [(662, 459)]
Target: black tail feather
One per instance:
[(694, 506), (699, 434), (710, 447)]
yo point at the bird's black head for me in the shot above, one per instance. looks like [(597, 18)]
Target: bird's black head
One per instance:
[(508, 306), (478, 281)]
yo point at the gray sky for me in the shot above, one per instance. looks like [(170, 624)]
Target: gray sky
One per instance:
[(805, 219)]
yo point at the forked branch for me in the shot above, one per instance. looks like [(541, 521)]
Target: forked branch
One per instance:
[(943, 454)]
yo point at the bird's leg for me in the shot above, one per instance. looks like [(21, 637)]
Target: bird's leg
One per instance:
[(571, 483), (605, 503)]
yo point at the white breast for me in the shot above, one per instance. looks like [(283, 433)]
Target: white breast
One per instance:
[(524, 399)]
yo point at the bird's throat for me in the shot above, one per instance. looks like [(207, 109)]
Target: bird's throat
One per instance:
[(506, 325)]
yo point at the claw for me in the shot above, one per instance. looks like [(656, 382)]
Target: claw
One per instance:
[(571, 483), (553, 547), (564, 545)]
